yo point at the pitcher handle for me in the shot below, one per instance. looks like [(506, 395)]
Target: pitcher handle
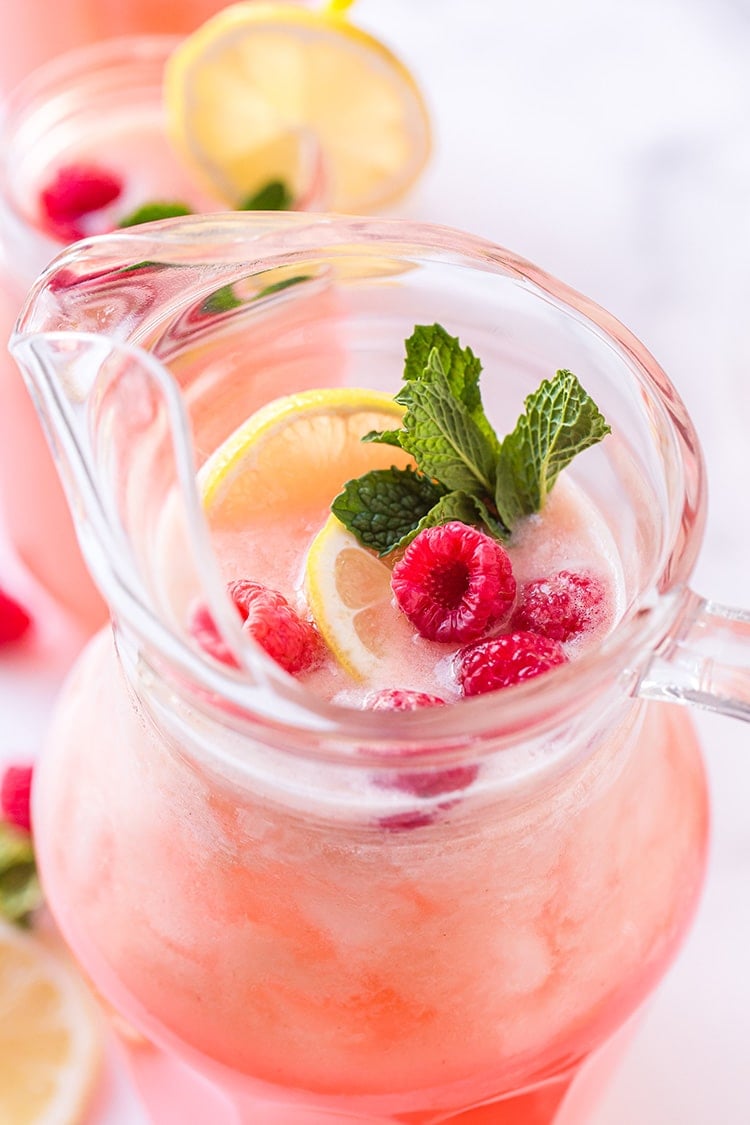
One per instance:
[(705, 662)]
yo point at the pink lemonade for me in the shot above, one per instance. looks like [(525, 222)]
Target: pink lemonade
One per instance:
[(312, 912)]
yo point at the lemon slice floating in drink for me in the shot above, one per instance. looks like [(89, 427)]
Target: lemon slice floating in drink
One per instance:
[(49, 1040), (294, 455), (268, 92), (297, 452)]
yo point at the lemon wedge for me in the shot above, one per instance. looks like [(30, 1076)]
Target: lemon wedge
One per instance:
[(49, 1039), (275, 91), (295, 454)]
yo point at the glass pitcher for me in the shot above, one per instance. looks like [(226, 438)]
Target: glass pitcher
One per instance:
[(218, 844)]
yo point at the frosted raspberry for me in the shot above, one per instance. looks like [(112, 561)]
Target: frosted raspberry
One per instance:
[(76, 190), (505, 660), (454, 583), (14, 620), (561, 606), (269, 619), (15, 796), (393, 699)]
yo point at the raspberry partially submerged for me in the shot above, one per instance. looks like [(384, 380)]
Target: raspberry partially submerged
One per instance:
[(454, 583), (508, 659), (15, 796), (561, 606), (395, 699), (14, 620), (269, 619)]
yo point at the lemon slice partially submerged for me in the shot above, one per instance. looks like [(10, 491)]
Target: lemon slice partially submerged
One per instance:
[(265, 92), (349, 594), (49, 1040), (296, 453)]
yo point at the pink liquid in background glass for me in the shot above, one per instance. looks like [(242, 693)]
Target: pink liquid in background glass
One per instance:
[(304, 970), (126, 138), (36, 31)]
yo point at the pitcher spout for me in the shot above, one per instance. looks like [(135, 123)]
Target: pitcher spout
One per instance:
[(120, 439)]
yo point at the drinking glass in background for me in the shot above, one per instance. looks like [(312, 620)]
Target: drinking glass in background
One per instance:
[(105, 106)]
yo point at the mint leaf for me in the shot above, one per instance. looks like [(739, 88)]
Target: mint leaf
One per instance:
[(222, 300), (385, 437), (444, 439), (431, 348), (20, 893), (273, 196), (460, 506), (560, 421), (384, 505), (152, 212), (285, 283)]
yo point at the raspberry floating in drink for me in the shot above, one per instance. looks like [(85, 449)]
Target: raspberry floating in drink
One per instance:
[(15, 622), (454, 583), (503, 661), (561, 606), (15, 796)]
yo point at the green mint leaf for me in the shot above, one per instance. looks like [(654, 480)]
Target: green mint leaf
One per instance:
[(444, 439), (152, 212), (560, 421), (285, 283), (20, 893), (273, 196), (431, 349), (460, 506), (223, 300), (383, 506), (385, 437)]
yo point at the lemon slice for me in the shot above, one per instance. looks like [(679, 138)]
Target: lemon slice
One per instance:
[(295, 454), (349, 593), (265, 92), (49, 1041)]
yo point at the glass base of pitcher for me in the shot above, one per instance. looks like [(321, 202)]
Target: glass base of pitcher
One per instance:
[(174, 1093)]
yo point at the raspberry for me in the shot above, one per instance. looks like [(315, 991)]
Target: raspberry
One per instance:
[(454, 583), (392, 699), (271, 622), (15, 796), (560, 606), (505, 660), (76, 190), (14, 620), (202, 628)]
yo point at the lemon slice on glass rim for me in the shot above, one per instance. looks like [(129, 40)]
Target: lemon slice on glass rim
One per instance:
[(276, 92), (49, 1035)]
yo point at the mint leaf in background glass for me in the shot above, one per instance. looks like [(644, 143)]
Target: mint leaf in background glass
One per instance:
[(559, 422), (273, 196), (153, 212), (20, 893), (222, 300), (285, 283), (383, 506)]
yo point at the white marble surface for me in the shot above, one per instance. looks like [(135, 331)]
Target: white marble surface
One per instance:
[(609, 142)]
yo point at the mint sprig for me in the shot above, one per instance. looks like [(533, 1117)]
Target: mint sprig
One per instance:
[(464, 472), (273, 196)]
